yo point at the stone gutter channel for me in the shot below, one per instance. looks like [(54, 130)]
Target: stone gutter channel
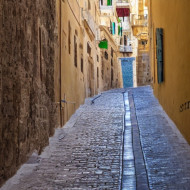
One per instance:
[(134, 174)]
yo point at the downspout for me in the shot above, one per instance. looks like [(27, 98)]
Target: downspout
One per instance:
[(60, 13)]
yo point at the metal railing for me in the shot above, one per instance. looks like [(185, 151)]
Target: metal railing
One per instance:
[(105, 7), (125, 49), (122, 1), (139, 20)]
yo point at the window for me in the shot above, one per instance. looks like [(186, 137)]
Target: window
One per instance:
[(109, 2), (81, 64), (40, 48), (113, 28), (106, 55), (69, 37), (125, 40), (88, 49), (102, 71), (111, 77), (89, 5), (112, 52), (97, 77), (75, 51), (159, 54)]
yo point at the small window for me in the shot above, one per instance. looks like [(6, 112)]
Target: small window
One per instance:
[(102, 71), (111, 77), (106, 55), (97, 58), (89, 5), (112, 52), (159, 55), (88, 49), (109, 2), (69, 37), (75, 51), (125, 40), (110, 27), (81, 63)]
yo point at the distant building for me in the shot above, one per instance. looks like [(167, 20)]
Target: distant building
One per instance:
[(86, 68), (139, 23)]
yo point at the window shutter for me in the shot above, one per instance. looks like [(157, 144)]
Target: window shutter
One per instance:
[(159, 52), (103, 44), (109, 2), (113, 28), (119, 30)]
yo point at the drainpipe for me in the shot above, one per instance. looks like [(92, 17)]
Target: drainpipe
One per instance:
[(60, 13)]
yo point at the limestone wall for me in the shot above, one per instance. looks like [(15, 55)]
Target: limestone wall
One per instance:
[(27, 109), (173, 93)]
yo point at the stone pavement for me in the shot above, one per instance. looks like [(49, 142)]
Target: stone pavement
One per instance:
[(166, 153), (85, 154), (124, 140)]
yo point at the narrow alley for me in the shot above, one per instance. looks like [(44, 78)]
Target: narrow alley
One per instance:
[(94, 95), (120, 140)]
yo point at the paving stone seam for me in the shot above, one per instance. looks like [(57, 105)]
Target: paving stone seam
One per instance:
[(166, 156), (122, 147), (137, 148)]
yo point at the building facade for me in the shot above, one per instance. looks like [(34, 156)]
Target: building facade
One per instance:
[(169, 55), (50, 61), (139, 22), (27, 92)]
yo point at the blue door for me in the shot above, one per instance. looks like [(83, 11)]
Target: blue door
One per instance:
[(127, 71)]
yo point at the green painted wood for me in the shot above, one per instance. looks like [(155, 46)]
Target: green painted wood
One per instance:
[(113, 28), (119, 30), (103, 44), (159, 53), (109, 2)]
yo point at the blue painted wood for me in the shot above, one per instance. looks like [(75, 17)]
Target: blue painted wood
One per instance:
[(127, 72), (113, 28), (159, 53)]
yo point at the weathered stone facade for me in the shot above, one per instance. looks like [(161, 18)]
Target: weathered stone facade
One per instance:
[(27, 109), (143, 69)]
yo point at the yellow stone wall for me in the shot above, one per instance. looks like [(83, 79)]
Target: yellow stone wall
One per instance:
[(84, 18), (174, 92), (110, 64)]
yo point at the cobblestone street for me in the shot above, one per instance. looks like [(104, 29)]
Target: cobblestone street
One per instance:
[(121, 140)]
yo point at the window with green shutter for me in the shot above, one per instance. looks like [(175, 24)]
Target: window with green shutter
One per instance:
[(119, 30), (113, 28), (159, 54), (103, 44), (109, 2)]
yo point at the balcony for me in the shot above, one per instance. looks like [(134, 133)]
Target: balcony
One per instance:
[(139, 20), (125, 49), (89, 23), (122, 3), (106, 7)]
